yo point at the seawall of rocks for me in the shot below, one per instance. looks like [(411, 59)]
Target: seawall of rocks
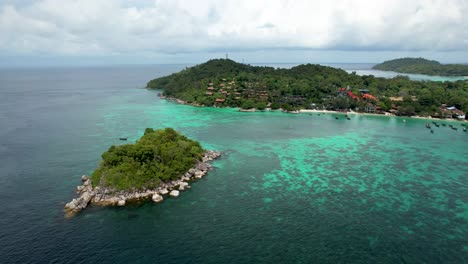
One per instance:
[(103, 196)]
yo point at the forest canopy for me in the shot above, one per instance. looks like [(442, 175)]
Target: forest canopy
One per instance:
[(159, 155), (226, 83), (423, 66)]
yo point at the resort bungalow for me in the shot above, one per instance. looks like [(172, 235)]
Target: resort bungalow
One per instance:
[(342, 92), (345, 92), (364, 91), (396, 99), (370, 108), (369, 96), (456, 113), (220, 100)]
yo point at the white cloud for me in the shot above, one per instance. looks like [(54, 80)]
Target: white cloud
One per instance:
[(106, 27)]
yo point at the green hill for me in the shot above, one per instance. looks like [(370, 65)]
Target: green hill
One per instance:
[(226, 83), (158, 155), (422, 66)]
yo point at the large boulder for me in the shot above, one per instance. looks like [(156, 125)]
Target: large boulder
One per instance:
[(84, 178), (164, 191), (211, 155), (79, 203), (185, 178), (199, 174), (97, 198), (183, 186), (71, 206), (174, 193), (121, 203), (202, 166), (88, 188), (157, 198), (84, 199)]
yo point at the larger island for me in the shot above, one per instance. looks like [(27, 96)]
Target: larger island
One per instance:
[(422, 66), (226, 83)]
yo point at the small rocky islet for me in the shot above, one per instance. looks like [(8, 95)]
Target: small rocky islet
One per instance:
[(108, 192)]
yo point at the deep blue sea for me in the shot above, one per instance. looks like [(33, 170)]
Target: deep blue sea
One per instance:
[(288, 189)]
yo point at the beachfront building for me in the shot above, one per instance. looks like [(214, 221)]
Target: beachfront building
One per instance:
[(364, 91), (455, 113), (451, 112), (369, 108)]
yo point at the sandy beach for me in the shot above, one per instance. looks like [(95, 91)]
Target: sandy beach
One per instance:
[(372, 114)]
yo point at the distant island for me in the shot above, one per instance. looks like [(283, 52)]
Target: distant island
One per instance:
[(422, 66), (161, 162), (226, 83)]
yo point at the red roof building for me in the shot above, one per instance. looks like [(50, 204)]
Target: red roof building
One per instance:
[(369, 96)]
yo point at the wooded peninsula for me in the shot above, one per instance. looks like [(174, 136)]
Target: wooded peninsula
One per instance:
[(422, 66), (226, 83)]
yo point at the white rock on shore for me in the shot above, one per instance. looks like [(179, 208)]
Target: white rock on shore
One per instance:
[(157, 198), (183, 186), (199, 174), (174, 193)]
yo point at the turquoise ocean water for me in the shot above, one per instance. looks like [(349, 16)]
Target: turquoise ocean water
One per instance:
[(288, 189)]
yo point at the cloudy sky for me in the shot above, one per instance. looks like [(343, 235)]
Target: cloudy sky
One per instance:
[(178, 31)]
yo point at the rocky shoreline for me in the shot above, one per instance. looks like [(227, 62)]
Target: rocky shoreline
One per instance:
[(102, 196)]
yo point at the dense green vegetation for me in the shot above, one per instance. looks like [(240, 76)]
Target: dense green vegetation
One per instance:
[(225, 83), (159, 155), (423, 66)]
